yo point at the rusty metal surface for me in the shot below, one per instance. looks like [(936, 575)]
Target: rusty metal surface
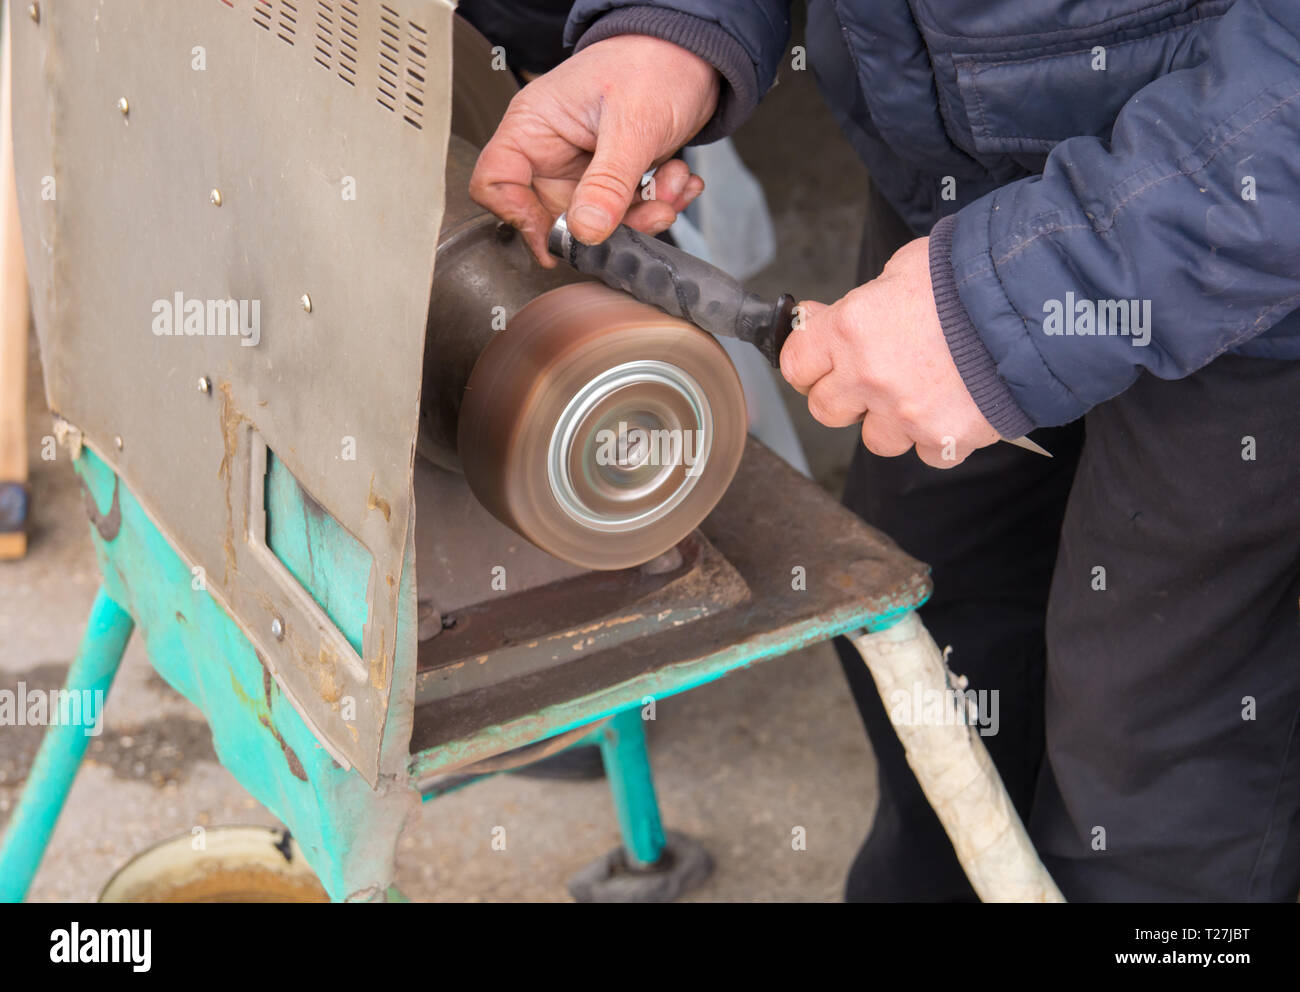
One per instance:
[(460, 547), (511, 637), (771, 522), (247, 151)]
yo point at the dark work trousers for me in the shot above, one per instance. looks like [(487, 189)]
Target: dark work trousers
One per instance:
[(1135, 602)]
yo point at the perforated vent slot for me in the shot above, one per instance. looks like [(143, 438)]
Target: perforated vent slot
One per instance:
[(417, 47), (390, 55), (288, 23), (403, 60), (335, 32), (325, 28), (348, 21)]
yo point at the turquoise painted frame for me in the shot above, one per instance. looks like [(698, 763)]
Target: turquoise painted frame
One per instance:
[(347, 831), (62, 749)]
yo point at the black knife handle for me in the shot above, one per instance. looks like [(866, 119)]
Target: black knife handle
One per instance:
[(679, 284)]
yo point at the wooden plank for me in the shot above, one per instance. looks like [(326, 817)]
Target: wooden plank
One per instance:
[(13, 312)]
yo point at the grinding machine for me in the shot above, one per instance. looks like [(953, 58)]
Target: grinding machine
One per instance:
[(345, 444)]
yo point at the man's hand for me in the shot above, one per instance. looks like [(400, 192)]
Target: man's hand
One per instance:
[(579, 138), (879, 356)]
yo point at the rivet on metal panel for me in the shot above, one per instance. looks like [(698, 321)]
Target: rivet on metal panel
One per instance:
[(205, 384), (34, 12), (277, 628), (306, 302), (124, 105), (215, 197), (117, 442)]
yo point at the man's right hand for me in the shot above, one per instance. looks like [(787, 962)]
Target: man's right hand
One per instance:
[(579, 138)]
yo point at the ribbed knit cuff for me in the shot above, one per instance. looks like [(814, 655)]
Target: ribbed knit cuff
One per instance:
[(978, 370), (706, 39)]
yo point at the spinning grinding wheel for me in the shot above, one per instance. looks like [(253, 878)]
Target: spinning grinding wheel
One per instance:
[(600, 428), (521, 412)]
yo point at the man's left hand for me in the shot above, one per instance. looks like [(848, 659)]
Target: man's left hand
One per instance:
[(879, 356)]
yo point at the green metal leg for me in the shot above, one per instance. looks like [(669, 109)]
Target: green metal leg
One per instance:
[(61, 751), (627, 766)]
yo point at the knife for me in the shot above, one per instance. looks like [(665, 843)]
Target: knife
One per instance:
[(690, 288)]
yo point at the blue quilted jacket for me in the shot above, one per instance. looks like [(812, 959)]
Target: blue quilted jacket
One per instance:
[(1109, 185)]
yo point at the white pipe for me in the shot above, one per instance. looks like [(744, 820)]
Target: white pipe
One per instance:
[(953, 766)]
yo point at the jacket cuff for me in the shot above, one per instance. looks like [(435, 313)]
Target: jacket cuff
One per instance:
[(978, 370), (706, 39)]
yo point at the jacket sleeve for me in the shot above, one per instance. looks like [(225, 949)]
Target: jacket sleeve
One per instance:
[(1190, 214), (743, 39)]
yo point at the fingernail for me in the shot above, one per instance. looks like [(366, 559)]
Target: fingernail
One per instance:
[(593, 218)]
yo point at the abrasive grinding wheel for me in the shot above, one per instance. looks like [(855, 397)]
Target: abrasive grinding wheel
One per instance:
[(601, 429)]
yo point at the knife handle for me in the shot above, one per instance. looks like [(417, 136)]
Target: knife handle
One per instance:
[(679, 284)]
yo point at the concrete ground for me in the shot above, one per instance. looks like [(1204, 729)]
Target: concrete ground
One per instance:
[(739, 764)]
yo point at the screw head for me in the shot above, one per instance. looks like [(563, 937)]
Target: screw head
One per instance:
[(215, 197), (205, 384), (124, 105), (277, 628), (306, 302), (34, 12), (117, 442)]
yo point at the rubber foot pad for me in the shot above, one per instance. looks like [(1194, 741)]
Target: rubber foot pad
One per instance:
[(684, 865)]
